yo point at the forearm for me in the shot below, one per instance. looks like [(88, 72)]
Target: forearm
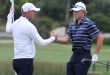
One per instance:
[(38, 39), (99, 43), (8, 26), (44, 42), (9, 21), (63, 40)]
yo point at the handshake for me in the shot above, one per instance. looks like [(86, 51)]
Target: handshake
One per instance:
[(53, 34)]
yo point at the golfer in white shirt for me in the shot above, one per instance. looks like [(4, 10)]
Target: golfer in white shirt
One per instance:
[(24, 35)]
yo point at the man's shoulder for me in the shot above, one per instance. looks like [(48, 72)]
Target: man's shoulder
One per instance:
[(27, 23), (23, 23), (71, 23), (88, 21)]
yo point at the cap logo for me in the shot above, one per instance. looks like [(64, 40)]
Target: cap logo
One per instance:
[(77, 6)]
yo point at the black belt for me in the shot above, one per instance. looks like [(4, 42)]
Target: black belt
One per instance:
[(77, 50)]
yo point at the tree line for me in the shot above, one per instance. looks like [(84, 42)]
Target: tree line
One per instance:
[(55, 13)]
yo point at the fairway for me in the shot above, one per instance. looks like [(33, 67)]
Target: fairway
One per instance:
[(56, 53), (52, 53), (54, 56)]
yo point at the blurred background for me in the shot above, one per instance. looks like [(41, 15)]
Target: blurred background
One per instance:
[(55, 16)]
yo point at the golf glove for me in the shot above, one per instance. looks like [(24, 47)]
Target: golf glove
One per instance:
[(11, 14), (94, 58), (9, 20)]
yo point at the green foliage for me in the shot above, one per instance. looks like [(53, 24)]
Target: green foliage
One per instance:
[(45, 68), (6, 68), (85, 1), (44, 25), (102, 21), (107, 41), (99, 6), (98, 10), (5, 6), (55, 11)]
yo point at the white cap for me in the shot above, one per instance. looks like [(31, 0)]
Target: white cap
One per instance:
[(78, 6), (28, 7)]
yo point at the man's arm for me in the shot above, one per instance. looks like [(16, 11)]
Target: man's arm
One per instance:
[(64, 39), (99, 43), (38, 39), (95, 34), (9, 21)]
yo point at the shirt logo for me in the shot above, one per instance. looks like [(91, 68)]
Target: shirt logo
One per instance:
[(73, 27)]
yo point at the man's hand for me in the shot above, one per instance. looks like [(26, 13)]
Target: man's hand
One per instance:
[(53, 34), (94, 58), (10, 20), (11, 13)]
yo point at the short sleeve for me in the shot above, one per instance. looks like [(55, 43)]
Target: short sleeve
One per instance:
[(93, 30), (68, 32)]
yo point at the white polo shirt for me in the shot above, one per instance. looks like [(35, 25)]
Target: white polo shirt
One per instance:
[(24, 35)]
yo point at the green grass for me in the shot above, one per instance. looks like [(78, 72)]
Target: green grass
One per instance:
[(50, 60), (6, 52), (51, 53), (56, 53)]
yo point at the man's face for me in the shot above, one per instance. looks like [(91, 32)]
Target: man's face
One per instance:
[(31, 14), (78, 14)]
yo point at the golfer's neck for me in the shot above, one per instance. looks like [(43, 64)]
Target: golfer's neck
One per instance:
[(79, 20), (26, 17)]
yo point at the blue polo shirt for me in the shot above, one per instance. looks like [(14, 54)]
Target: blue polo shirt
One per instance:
[(82, 34)]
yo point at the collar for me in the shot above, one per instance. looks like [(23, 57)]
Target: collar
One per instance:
[(24, 17), (82, 21)]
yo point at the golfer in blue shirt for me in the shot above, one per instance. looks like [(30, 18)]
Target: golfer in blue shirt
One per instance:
[(81, 32)]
